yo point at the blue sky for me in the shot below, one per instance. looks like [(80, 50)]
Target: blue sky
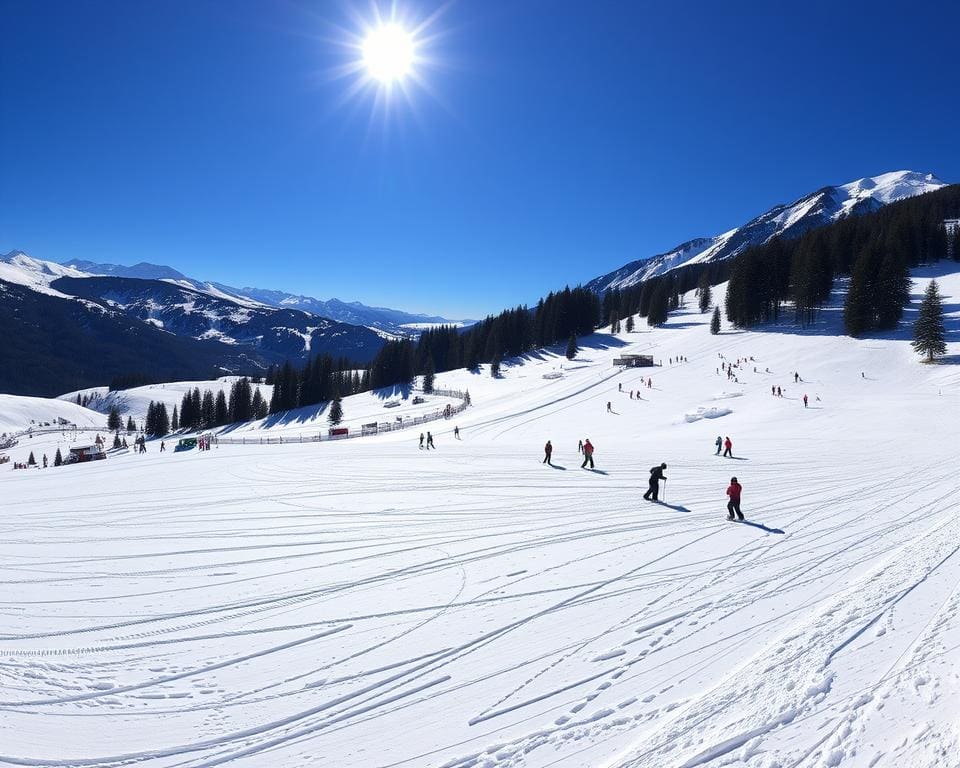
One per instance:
[(552, 141)]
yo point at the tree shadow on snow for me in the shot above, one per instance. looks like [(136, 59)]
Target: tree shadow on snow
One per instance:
[(397, 390), (761, 526)]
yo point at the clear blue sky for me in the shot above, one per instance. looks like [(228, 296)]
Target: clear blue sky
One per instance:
[(554, 140)]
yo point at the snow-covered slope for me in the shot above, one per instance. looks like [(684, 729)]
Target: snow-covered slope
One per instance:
[(818, 208), (134, 402), (19, 413), (366, 603)]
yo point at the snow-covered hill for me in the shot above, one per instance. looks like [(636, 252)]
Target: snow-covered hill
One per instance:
[(19, 414), (366, 603), (813, 210), (133, 402)]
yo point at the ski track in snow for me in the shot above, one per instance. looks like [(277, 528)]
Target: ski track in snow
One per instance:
[(369, 604)]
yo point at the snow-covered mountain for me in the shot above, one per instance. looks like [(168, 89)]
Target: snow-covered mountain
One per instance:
[(67, 329), (816, 209), (393, 322)]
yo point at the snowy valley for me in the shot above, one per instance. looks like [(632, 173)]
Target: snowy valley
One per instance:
[(365, 602)]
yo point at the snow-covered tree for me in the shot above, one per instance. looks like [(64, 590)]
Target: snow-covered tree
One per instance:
[(929, 334)]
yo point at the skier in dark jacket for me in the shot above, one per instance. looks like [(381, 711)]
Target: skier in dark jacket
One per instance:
[(430, 441), (656, 475), (733, 505), (421, 439), (719, 444)]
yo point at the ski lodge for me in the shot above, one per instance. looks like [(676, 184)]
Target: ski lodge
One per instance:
[(82, 453), (634, 361)]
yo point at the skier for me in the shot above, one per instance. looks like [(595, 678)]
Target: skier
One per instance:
[(163, 446), (580, 447), (728, 447), (796, 377), (719, 444), (779, 392), (631, 394), (456, 432), (421, 440), (430, 441), (587, 454), (547, 453), (608, 406), (734, 504), (773, 390), (620, 387), (656, 475), (804, 401), (44, 461)]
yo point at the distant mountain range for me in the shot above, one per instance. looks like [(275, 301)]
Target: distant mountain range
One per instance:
[(813, 210), (61, 329), (394, 322)]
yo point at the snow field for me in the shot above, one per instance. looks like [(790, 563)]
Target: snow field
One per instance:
[(366, 603)]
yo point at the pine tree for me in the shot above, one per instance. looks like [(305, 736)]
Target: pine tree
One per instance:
[(629, 324), (428, 376), (572, 348), (161, 423), (58, 459), (929, 333), (151, 419), (336, 411), (113, 419), (495, 367), (706, 295), (116, 440), (131, 427), (657, 311), (258, 406), (220, 414), (715, 321), (32, 461), (208, 410), (175, 420)]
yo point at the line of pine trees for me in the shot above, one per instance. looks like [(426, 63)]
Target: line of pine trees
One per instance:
[(206, 410), (572, 311), (157, 422), (876, 250), (323, 378)]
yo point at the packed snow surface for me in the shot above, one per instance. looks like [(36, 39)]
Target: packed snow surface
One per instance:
[(367, 603)]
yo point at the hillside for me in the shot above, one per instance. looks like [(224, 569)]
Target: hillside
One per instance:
[(813, 210), (269, 604), (68, 330)]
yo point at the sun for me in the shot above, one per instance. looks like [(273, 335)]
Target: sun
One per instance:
[(389, 53)]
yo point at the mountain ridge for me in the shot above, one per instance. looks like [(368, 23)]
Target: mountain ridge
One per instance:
[(819, 207)]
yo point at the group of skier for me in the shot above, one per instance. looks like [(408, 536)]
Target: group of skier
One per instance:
[(429, 443)]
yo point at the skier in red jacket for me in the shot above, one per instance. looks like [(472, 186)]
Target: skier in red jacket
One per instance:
[(587, 454), (728, 448), (734, 491)]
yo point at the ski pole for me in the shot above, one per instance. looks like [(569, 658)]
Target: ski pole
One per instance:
[(664, 489)]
